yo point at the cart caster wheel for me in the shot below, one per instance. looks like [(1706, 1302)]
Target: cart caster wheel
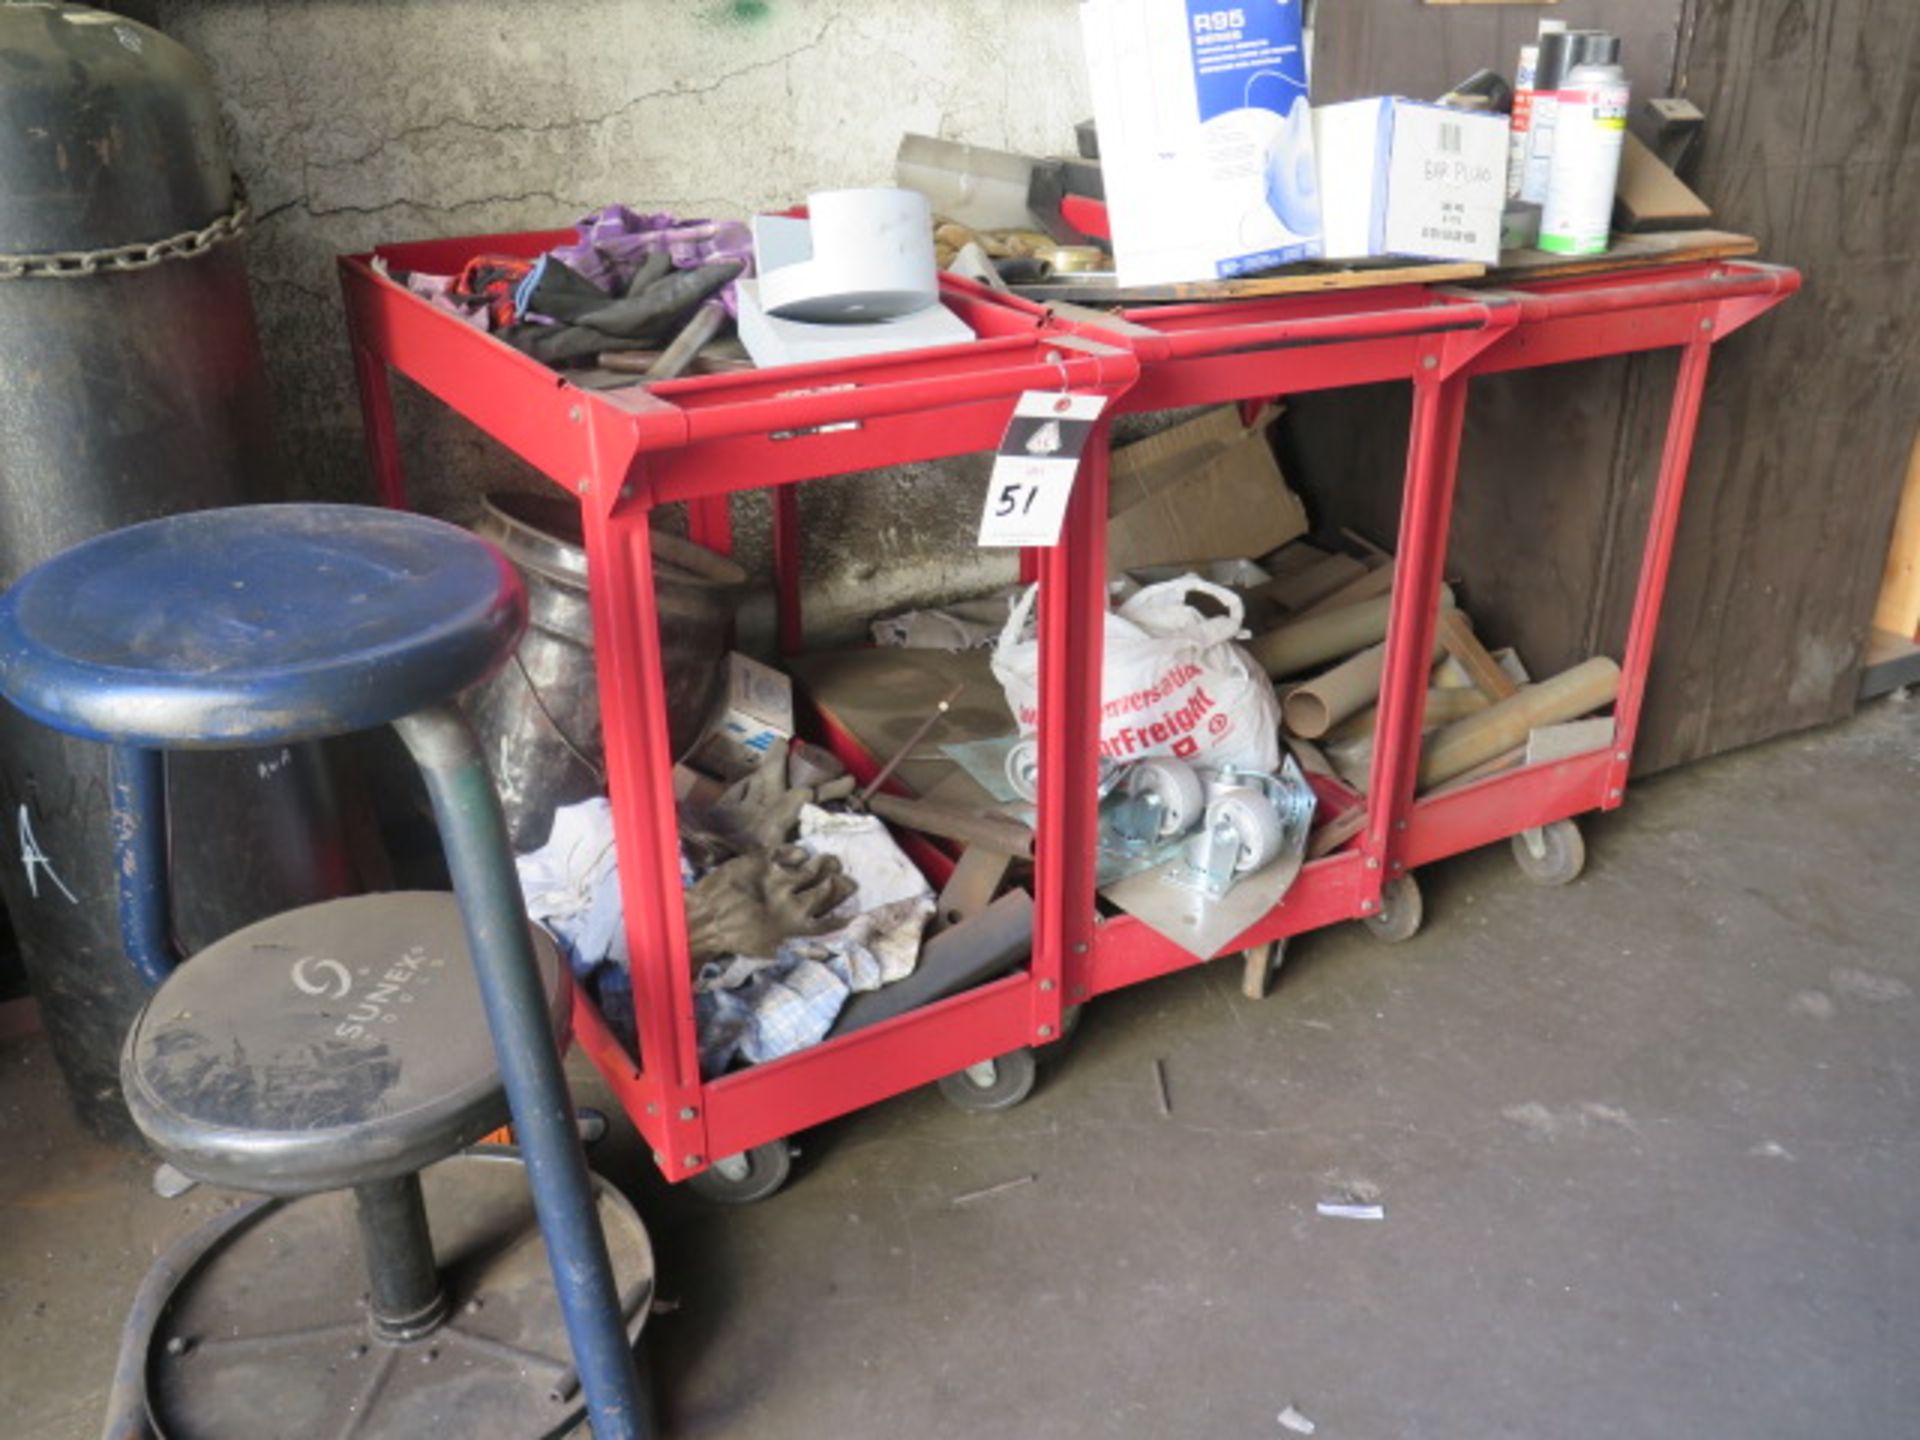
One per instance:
[(1552, 855), (997, 1084), (1400, 912), (744, 1178)]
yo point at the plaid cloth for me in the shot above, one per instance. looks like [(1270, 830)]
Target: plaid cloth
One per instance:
[(759, 1010), (763, 1009)]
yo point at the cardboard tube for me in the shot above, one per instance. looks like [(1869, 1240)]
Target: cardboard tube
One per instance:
[(1315, 707), (1466, 743), (1377, 581), (1332, 636), (1444, 705)]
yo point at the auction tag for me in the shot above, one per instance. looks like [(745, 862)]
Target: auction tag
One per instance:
[(1033, 472)]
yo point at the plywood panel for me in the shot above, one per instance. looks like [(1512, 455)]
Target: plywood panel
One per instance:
[(1402, 47), (1811, 146)]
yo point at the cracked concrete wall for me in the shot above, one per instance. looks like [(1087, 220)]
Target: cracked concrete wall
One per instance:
[(356, 122)]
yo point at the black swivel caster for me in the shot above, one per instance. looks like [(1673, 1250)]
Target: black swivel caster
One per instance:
[(746, 1177)]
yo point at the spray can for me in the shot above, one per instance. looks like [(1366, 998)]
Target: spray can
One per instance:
[(1549, 69), (1588, 134), (1522, 112)]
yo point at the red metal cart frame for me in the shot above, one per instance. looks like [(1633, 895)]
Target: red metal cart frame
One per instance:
[(622, 453)]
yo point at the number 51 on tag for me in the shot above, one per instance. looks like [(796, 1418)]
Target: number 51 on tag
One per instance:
[(1033, 471)]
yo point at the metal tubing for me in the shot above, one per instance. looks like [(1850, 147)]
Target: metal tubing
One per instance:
[(710, 523), (1073, 603), (1433, 453), (1328, 329), (376, 408), (138, 780), (1540, 305), (402, 1281), (473, 833), (906, 397), (1669, 489), (786, 567), (626, 621)]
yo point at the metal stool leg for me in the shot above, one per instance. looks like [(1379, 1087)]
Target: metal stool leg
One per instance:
[(139, 816), (474, 834), (403, 1283)]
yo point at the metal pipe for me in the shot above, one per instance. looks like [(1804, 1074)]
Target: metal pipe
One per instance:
[(1536, 306), (911, 743), (1433, 459), (137, 780), (1116, 369), (1657, 555), (403, 1282), (1327, 330), (473, 833)]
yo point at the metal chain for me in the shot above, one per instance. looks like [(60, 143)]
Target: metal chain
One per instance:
[(121, 259)]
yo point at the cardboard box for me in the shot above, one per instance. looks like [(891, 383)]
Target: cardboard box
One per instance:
[(1406, 178), (1649, 196), (1208, 489), (754, 709), (1206, 137)]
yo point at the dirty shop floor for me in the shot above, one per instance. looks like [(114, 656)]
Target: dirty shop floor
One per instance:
[(1648, 1149)]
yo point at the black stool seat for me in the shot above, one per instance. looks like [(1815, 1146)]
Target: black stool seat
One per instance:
[(323, 1048), (256, 625)]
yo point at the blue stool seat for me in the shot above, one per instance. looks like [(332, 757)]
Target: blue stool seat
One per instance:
[(256, 625)]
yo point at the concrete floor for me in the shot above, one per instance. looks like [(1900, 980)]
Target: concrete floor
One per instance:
[(1647, 1148)]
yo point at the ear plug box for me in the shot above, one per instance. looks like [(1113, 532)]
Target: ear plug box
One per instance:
[(1410, 179), (1206, 136)]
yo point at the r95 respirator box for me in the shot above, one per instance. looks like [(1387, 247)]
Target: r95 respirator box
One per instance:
[(1206, 137)]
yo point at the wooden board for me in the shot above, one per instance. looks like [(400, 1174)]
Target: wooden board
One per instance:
[(1456, 634), (1811, 145), (1898, 608), (1628, 252), (1099, 287)]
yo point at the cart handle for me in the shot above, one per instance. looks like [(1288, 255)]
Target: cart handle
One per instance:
[(1080, 365), (1737, 282), (1429, 319)]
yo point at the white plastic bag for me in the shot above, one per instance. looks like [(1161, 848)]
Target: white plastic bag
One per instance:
[(1174, 683)]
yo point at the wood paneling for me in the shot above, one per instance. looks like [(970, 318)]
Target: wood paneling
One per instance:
[(1811, 146)]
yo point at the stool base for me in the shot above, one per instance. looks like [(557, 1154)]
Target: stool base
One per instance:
[(263, 1331)]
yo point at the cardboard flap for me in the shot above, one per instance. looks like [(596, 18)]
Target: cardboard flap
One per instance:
[(1207, 489)]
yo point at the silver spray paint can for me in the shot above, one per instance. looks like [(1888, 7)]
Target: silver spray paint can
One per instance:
[(1589, 131), (1550, 68), (1520, 119)]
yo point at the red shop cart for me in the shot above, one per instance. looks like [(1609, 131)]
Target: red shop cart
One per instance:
[(1438, 339), (622, 453)]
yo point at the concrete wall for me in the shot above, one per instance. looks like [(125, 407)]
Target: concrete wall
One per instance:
[(356, 122)]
